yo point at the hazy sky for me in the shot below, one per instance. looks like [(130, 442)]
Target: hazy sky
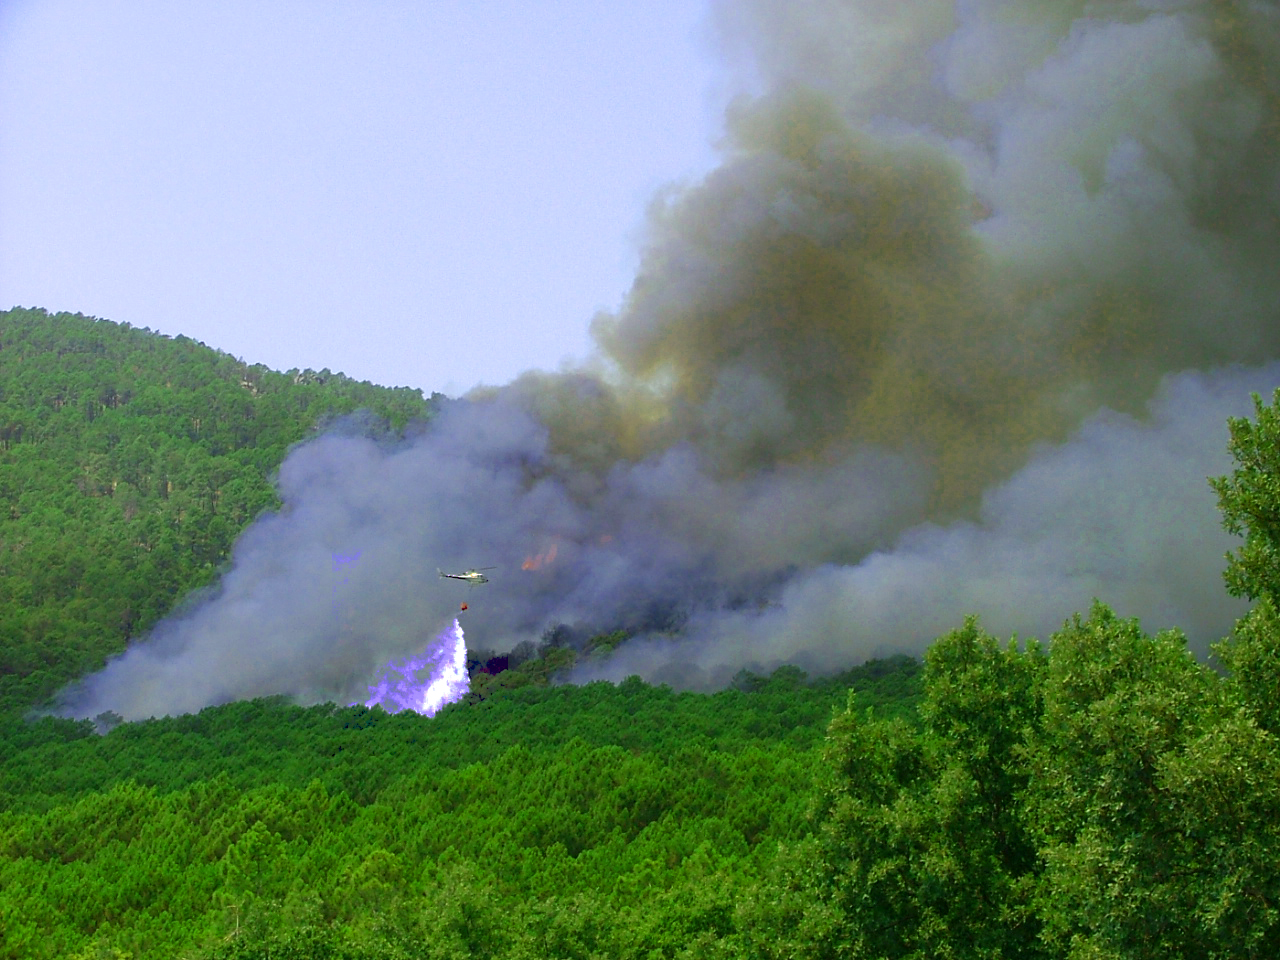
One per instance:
[(425, 193)]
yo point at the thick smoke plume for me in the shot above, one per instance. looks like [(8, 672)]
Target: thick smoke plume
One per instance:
[(955, 327)]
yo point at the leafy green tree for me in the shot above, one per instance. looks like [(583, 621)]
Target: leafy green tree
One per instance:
[(922, 849), (1154, 802), (1252, 655), (1250, 501)]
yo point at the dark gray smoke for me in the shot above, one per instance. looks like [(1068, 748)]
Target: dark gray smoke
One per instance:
[(923, 345)]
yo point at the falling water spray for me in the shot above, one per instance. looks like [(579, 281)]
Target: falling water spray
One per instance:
[(428, 682), (423, 683)]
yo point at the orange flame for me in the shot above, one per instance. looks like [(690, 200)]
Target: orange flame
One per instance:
[(540, 560)]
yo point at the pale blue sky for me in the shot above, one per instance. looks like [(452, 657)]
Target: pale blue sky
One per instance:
[(432, 193)]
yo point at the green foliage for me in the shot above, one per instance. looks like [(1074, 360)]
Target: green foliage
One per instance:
[(922, 851), (358, 751), (1111, 799), (129, 462), (543, 822), (1117, 704), (1252, 654), (1250, 501)]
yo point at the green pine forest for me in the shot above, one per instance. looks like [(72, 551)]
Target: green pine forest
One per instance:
[(1100, 794)]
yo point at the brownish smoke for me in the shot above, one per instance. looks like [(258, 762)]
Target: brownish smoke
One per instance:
[(827, 288)]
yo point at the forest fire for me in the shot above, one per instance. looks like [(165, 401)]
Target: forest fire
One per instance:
[(945, 332), (427, 683), (540, 560)]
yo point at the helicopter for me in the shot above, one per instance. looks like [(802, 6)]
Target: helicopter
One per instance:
[(472, 577)]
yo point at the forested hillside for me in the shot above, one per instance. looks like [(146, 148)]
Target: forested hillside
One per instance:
[(606, 820), (129, 462), (1098, 795)]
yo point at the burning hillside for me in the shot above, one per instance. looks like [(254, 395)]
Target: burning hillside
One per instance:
[(955, 327)]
